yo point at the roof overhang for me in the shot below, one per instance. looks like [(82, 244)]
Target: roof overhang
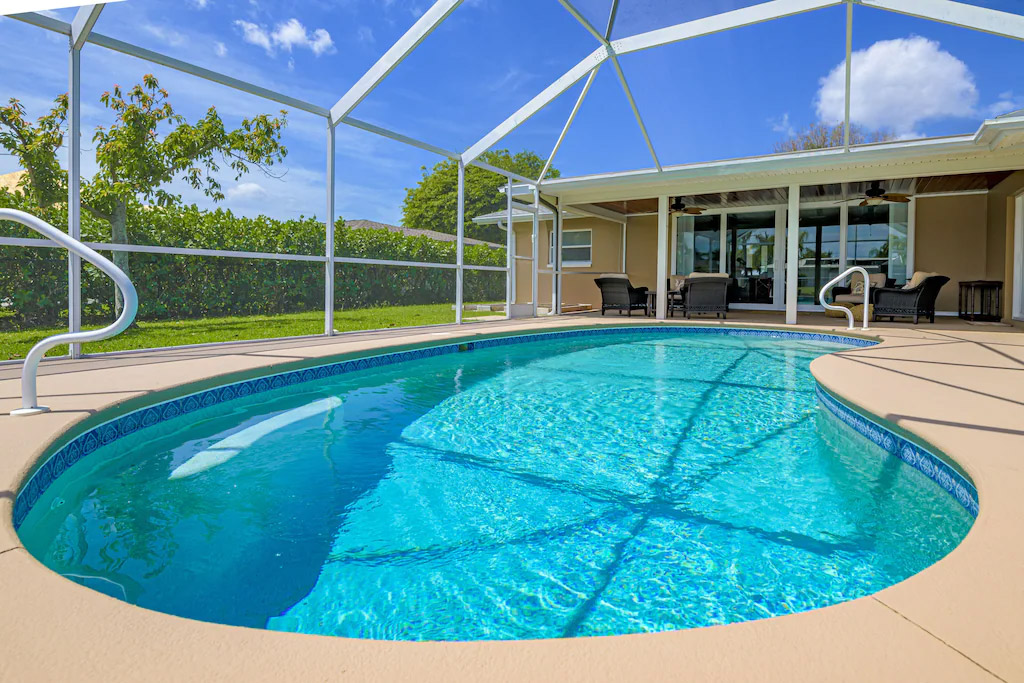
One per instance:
[(998, 145)]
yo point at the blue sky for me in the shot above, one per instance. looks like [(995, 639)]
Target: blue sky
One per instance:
[(728, 95)]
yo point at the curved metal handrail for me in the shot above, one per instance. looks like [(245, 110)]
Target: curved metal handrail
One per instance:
[(839, 278), (130, 297)]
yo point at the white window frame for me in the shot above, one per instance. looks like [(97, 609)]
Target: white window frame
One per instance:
[(1017, 295), (566, 263)]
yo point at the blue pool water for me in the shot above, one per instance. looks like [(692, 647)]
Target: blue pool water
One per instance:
[(586, 486)]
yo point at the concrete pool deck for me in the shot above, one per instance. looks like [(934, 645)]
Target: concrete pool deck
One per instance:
[(958, 387)]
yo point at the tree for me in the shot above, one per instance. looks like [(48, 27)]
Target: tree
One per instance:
[(36, 147), (823, 135), (147, 147), (431, 205)]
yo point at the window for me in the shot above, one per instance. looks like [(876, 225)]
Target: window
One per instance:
[(576, 247)]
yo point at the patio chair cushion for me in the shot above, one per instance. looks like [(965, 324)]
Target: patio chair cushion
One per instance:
[(618, 275), (850, 298), (917, 278), (876, 280), (700, 275)]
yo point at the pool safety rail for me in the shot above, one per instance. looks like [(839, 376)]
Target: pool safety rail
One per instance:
[(29, 397), (849, 313)]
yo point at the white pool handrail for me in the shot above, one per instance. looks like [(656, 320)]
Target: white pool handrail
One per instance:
[(29, 398), (849, 314)]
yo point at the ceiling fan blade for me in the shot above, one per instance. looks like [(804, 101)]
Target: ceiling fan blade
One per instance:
[(865, 203), (896, 197), (693, 210)]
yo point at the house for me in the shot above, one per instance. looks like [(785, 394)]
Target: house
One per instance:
[(782, 225)]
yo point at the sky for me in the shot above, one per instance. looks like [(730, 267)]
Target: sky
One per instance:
[(728, 95)]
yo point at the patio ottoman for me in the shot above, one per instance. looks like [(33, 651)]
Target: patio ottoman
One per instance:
[(858, 311)]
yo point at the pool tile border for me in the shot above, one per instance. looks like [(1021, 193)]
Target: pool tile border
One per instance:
[(86, 443), (915, 455)]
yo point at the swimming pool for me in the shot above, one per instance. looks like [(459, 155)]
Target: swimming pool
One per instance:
[(574, 485)]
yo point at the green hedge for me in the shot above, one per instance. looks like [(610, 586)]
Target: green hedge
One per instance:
[(33, 282)]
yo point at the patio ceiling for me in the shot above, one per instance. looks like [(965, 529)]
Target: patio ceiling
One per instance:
[(925, 185)]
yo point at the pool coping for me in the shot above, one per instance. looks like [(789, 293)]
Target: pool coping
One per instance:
[(902, 632)]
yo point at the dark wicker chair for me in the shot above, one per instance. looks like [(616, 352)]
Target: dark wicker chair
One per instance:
[(703, 295), (917, 302), (618, 294)]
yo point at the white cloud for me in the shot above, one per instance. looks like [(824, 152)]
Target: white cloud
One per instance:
[(364, 34), (1007, 102), (254, 34), (200, 4), (220, 48), (783, 125), (243, 191), (898, 84), (165, 35), (286, 36)]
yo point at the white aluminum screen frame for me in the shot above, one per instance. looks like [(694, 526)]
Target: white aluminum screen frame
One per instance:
[(80, 31)]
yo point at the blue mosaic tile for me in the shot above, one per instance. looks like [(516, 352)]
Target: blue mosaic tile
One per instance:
[(150, 416), (921, 459)]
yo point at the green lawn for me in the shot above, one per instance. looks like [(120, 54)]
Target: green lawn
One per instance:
[(147, 335)]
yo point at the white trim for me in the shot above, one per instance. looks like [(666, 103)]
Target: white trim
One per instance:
[(959, 193), (568, 122), (460, 231), (329, 235), (402, 48), (542, 99), (911, 236), (206, 74), (384, 132), (755, 14), (974, 17), (636, 111), (223, 253), (83, 23), (1017, 301), (570, 264), (662, 268), (849, 74), (792, 253)]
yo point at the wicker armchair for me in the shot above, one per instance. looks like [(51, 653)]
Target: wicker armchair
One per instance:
[(914, 302), (618, 294), (702, 295)]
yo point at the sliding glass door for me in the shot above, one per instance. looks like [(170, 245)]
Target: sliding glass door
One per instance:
[(744, 243), (877, 239), (698, 244), (819, 251), (750, 244)]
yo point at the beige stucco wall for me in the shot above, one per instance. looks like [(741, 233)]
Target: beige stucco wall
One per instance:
[(577, 281), (951, 238)]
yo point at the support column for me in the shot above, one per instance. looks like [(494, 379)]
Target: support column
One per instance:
[(662, 284), (510, 252), (460, 227), (792, 253), (74, 192), (329, 236), (556, 267), (536, 251)]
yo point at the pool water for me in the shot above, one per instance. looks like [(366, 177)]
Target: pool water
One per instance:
[(585, 486)]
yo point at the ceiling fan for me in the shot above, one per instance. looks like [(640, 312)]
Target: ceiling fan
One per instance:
[(876, 195), (679, 207)]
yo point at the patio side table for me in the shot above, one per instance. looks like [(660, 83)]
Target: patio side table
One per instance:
[(981, 300)]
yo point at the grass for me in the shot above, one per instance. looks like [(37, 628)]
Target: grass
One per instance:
[(148, 335)]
